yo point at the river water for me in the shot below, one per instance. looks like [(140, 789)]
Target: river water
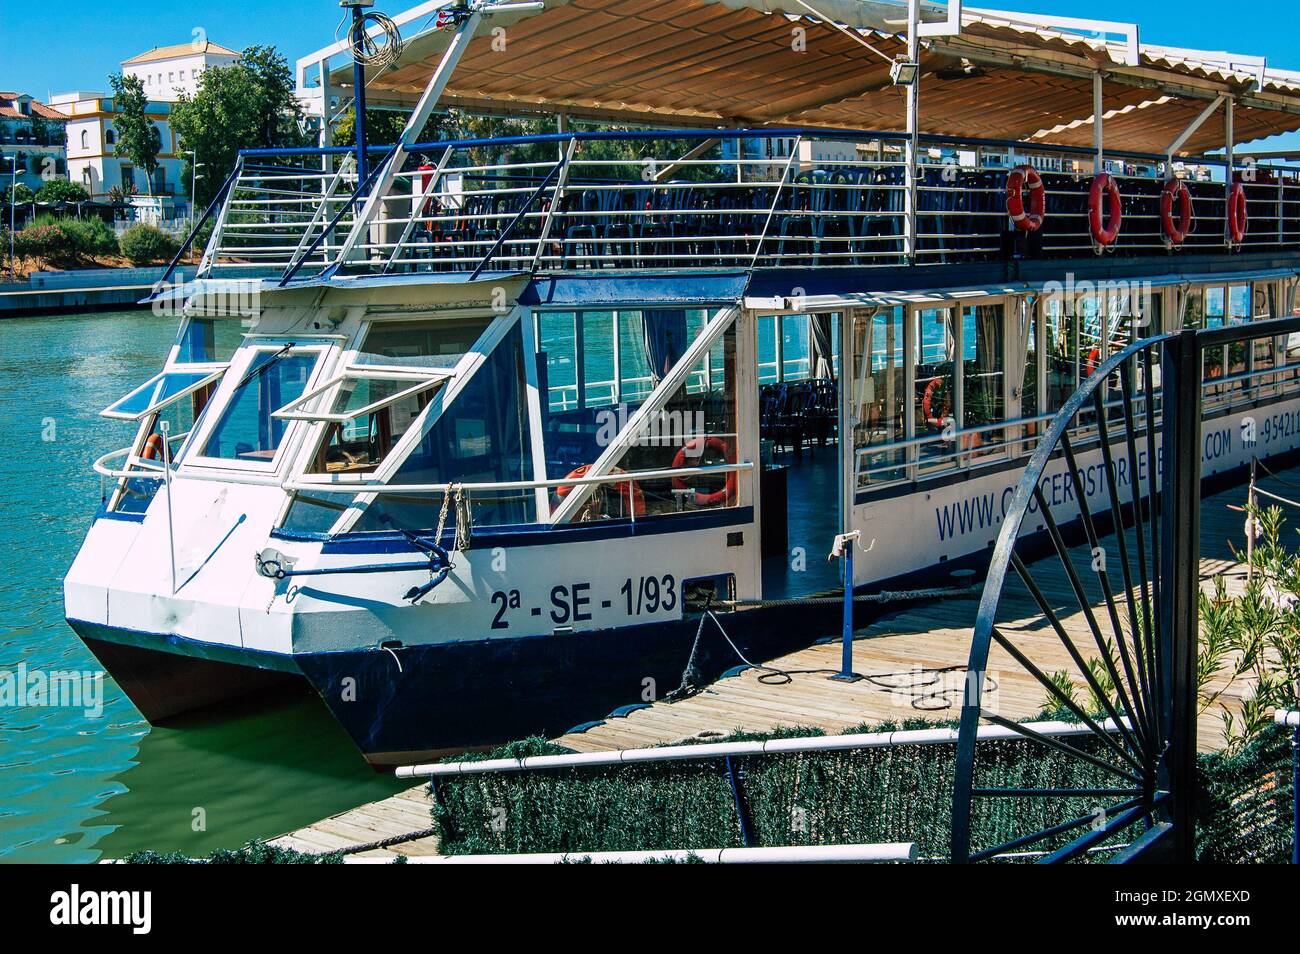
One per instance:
[(77, 785)]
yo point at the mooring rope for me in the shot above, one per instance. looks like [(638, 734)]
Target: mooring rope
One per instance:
[(772, 676), (884, 596)]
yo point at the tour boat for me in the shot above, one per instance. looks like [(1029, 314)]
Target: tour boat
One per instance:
[(469, 435)]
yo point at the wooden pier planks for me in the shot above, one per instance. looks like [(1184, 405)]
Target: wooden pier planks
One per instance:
[(901, 654)]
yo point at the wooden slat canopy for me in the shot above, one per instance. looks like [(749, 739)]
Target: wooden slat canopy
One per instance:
[(735, 62)]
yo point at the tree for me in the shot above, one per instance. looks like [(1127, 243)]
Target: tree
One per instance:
[(383, 127), (62, 190), (247, 105), (137, 137)]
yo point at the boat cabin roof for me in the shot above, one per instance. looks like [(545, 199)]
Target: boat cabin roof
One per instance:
[(998, 75)]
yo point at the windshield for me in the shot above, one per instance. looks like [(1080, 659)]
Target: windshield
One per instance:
[(246, 430)]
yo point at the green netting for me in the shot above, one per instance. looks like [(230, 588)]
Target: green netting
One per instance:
[(1246, 813), (888, 794)]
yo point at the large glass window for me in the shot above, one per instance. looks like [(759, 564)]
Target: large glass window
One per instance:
[(768, 368), (482, 436), (696, 427), (424, 344), (209, 340), (247, 430), (877, 396), (796, 361), (598, 367), (1265, 349), (983, 379), (935, 400)]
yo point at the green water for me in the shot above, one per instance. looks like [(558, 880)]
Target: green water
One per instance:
[(77, 787)]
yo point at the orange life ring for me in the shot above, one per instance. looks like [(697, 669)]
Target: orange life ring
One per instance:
[(1238, 220), (927, 405), (633, 499), (696, 449), (1105, 229), (1020, 178), (1176, 190), (153, 447), (1090, 365)]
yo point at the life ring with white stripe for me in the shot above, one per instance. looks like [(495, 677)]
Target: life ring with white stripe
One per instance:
[(632, 497), (695, 449), (1238, 219), (1105, 209), (1176, 191), (1021, 178), (153, 447)]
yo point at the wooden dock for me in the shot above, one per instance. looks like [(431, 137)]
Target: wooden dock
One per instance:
[(912, 660)]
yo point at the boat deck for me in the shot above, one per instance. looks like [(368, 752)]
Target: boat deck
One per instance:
[(913, 666)]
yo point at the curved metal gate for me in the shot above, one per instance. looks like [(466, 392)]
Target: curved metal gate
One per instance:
[(1125, 614)]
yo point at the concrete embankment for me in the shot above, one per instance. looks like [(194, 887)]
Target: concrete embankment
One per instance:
[(85, 290)]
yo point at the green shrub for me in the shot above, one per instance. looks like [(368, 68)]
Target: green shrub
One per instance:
[(65, 242), (145, 245), (50, 242), (254, 853), (94, 237)]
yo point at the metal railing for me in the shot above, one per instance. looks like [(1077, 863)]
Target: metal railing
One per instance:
[(693, 199)]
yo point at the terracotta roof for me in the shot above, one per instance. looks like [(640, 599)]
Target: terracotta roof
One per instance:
[(40, 109), (177, 51)]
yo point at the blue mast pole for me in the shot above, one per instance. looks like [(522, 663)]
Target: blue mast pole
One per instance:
[(358, 85)]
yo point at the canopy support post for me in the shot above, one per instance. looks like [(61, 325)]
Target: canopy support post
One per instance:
[(1098, 120), (1190, 131), (1229, 132), (913, 128)]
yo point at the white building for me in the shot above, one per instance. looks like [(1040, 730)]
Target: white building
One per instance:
[(92, 155), (168, 71)]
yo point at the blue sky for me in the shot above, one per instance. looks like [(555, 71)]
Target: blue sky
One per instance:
[(86, 44)]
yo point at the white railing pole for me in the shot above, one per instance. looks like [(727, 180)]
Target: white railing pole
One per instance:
[(895, 853)]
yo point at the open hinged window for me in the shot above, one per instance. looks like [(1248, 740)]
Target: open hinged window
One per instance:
[(158, 392), (367, 412)]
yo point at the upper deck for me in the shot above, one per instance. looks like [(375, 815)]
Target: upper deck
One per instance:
[(754, 135)]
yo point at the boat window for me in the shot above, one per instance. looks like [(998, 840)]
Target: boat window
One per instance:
[(247, 430), (438, 343), (768, 368), (159, 391), (796, 364), (1061, 353), (1239, 312), (935, 355), (1265, 349), (1215, 301), (696, 427), (1024, 353), (482, 436), (983, 380), (596, 369), (209, 341), (877, 396)]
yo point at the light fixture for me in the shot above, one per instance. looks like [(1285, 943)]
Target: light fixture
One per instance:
[(904, 73)]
